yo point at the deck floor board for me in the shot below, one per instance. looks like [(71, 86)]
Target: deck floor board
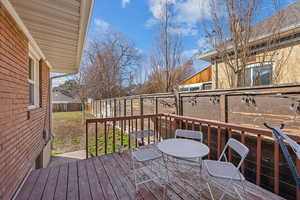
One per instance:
[(109, 177)]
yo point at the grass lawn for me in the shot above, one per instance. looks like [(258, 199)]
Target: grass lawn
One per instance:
[(69, 133), (101, 139)]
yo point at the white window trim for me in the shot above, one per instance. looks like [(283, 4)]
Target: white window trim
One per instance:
[(257, 65), (36, 80)]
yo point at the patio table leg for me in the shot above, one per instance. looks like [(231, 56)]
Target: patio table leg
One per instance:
[(165, 160)]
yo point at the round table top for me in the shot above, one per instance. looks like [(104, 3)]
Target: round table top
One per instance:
[(183, 148)]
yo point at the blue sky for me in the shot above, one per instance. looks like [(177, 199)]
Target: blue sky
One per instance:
[(136, 20), (133, 18)]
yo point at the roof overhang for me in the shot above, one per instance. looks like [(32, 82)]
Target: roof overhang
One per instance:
[(284, 32), (56, 29)]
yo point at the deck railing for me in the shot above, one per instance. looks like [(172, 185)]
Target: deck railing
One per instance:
[(113, 132)]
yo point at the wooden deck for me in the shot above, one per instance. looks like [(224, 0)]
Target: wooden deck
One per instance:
[(109, 177)]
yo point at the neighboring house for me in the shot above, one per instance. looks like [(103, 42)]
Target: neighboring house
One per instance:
[(199, 81), (36, 38), (65, 103), (60, 98), (271, 72)]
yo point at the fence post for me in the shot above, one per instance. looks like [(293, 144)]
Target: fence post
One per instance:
[(142, 113), (100, 109), (110, 110), (115, 108), (131, 107), (180, 105), (105, 108), (223, 108), (125, 107), (156, 105)]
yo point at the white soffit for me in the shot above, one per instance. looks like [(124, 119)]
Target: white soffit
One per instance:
[(59, 28)]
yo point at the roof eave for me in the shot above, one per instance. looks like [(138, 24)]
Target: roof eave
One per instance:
[(285, 31)]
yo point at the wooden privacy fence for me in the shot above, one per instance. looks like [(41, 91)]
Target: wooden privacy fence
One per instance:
[(271, 172), (66, 107)]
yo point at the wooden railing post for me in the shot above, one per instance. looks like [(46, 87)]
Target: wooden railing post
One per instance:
[(96, 129), (105, 137), (243, 140), (87, 140), (229, 149), (219, 142), (209, 139), (298, 169), (276, 167), (258, 159)]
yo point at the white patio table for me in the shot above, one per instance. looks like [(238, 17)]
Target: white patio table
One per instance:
[(182, 149)]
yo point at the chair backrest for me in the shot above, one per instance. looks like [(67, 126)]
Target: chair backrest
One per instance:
[(189, 134), (238, 147)]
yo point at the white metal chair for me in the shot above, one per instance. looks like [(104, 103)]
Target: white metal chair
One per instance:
[(189, 134), (226, 172), (142, 156)]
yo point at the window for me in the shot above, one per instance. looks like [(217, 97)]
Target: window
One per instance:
[(184, 89), (194, 89), (33, 76), (207, 86), (256, 75)]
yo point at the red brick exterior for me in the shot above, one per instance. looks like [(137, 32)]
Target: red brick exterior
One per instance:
[(21, 138)]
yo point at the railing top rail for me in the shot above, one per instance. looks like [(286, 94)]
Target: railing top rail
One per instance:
[(122, 118)]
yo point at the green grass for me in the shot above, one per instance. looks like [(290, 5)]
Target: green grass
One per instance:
[(56, 152), (69, 131), (75, 140), (101, 142)]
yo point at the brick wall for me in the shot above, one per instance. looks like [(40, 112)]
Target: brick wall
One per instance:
[(21, 130)]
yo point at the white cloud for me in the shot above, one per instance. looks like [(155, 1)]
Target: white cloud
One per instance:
[(124, 3), (188, 54), (184, 31), (203, 44), (191, 11), (187, 13), (101, 25)]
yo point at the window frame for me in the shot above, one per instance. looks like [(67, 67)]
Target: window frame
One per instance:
[(257, 64), (35, 81)]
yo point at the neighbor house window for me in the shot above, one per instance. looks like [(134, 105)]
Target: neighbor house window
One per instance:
[(33, 76), (258, 74), (207, 86), (194, 89)]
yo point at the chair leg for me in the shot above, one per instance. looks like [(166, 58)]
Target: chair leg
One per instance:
[(225, 189), (210, 191), (135, 182)]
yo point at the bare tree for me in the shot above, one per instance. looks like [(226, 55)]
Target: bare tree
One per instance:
[(112, 61), (166, 54), (156, 78), (79, 89), (233, 29)]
